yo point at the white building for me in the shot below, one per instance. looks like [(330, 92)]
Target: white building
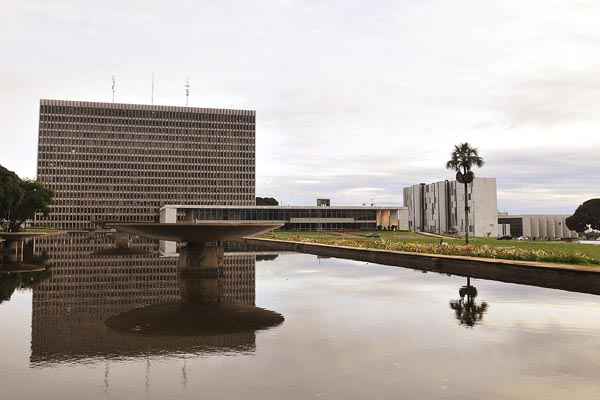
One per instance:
[(440, 207), (537, 227)]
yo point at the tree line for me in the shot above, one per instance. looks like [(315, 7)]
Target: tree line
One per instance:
[(20, 200)]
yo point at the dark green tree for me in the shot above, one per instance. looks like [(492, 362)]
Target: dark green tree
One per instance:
[(10, 193), (266, 201), (10, 282), (463, 159), (20, 200), (586, 216)]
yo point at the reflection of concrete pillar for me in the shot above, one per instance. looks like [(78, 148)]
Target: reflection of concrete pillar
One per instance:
[(200, 266), (121, 240), (13, 251)]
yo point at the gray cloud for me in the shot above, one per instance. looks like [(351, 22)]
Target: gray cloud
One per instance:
[(354, 101), (555, 97)]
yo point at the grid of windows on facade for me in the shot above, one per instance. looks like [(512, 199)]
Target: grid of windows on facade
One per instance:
[(97, 282), (89, 283), (122, 162)]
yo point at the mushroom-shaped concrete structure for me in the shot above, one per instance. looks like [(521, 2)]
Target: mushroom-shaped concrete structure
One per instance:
[(200, 270), (199, 233), (201, 259)]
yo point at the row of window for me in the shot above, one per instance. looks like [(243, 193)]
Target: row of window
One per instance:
[(204, 183), (147, 140), (100, 168), (91, 198), (231, 149), (55, 121), (221, 115), (181, 183), (162, 157), (278, 214), (153, 134)]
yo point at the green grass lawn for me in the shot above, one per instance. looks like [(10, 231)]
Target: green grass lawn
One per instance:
[(362, 235), (570, 248), (551, 251)]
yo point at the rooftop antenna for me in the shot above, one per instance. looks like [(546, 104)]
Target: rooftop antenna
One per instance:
[(152, 98), (187, 91), (114, 88)]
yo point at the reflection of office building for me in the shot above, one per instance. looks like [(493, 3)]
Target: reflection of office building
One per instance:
[(122, 162), (89, 284), (440, 207), (238, 282)]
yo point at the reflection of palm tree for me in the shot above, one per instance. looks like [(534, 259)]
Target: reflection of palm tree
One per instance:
[(467, 311)]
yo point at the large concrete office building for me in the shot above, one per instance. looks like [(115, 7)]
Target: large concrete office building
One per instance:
[(440, 207), (122, 162)]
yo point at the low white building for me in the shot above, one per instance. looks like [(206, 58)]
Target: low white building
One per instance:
[(534, 226), (440, 207)]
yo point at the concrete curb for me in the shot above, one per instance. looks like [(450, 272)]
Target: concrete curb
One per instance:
[(578, 278)]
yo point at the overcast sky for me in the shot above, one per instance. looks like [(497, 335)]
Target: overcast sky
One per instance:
[(355, 99)]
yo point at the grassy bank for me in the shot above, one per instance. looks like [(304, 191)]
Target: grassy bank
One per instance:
[(556, 252)]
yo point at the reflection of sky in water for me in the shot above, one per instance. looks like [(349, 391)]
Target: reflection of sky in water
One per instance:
[(354, 331)]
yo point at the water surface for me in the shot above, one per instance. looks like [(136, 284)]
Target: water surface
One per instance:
[(352, 330)]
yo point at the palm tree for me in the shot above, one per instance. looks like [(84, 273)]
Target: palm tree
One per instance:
[(464, 157)]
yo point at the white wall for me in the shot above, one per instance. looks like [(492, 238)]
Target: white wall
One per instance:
[(484, 206), (545, 227), (403, 219)]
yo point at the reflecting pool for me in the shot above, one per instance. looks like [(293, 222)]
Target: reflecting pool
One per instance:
[(352, 330)]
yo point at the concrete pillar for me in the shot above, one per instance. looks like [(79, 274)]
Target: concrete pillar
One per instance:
[(200, 268), (188, 216), (394, 218), (550, 224), (403, 219), (168, 215), (121, 240), (13, 251), (542, 227)]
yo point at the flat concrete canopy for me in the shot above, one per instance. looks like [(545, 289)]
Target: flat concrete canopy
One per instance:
[(26, 234), (198, 233)]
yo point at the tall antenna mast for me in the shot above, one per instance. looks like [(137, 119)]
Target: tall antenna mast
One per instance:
[(187, 91), (114, 88), (152, 88)]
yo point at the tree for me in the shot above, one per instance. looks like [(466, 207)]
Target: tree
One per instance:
[(463, 159), (10, 282), (20, 200), (10, 193), (586, 216), (266, 201)]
